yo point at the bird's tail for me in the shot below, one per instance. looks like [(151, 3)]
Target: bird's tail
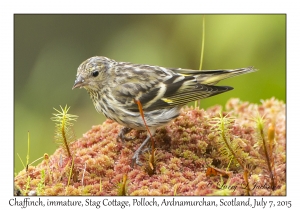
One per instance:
[(211, 77)]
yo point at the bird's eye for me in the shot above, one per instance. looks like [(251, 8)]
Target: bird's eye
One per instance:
[(95, 73)]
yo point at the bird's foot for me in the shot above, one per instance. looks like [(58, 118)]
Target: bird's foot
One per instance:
[(122, 134), (135, 158)]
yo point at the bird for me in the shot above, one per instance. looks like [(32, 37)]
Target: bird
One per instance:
[(115, 87)]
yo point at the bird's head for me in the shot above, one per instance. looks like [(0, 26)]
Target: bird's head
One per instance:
[(92, 73)]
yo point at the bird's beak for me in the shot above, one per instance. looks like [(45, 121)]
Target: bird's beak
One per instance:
[(79, 82)]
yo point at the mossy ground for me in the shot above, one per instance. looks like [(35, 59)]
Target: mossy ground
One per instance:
[(185, 148)]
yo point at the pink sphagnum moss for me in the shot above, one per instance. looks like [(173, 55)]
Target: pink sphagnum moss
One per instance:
[(185, 148)]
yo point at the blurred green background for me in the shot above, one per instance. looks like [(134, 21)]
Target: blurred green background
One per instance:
[(49, 48)]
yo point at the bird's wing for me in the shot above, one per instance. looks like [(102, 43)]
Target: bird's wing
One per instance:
[(182, 92), (159, 88)]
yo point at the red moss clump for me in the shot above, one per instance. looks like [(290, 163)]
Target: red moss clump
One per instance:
[(185, 148)]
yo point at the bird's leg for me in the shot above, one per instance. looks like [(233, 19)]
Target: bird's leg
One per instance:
[(122, 134), (135, 157)]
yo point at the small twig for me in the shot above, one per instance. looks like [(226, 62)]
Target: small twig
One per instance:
[(83, 174)]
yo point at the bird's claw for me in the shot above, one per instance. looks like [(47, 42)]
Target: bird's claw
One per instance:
[(135, 158), (122, 134)]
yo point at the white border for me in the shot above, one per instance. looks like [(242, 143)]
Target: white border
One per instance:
[(8, 8)]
